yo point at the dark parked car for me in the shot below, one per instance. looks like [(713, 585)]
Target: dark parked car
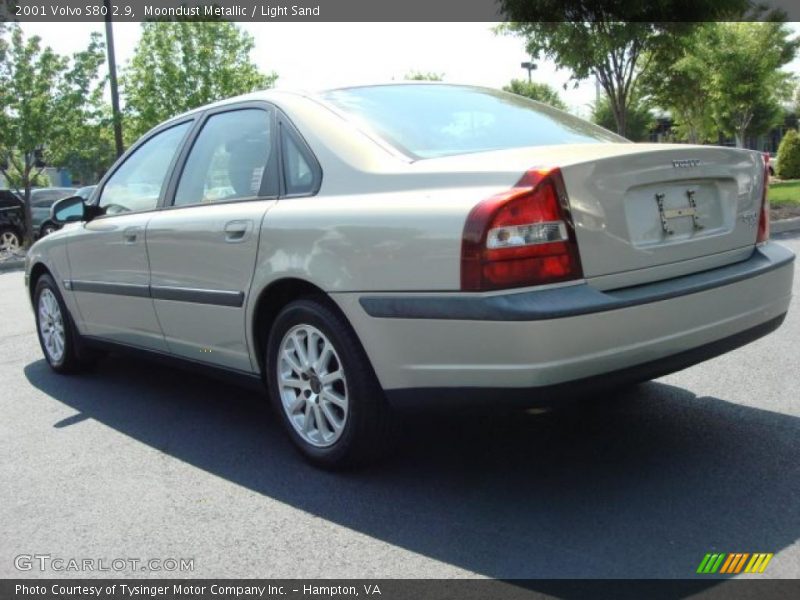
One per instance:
[(41, 201), (12, 221)]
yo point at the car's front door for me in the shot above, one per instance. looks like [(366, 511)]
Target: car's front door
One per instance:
[(109, 270), (203, 245)]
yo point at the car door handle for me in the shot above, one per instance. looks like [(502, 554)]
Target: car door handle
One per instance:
[(236, 231), (130, 234)]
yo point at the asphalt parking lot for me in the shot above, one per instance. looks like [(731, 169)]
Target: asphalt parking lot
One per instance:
[(139, 460)]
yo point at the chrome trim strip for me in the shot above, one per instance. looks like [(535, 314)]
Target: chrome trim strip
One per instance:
[(116, 289), (178, 294), (198, 296)]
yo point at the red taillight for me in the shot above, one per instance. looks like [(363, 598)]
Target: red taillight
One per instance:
[(763, 219), (521, 237)]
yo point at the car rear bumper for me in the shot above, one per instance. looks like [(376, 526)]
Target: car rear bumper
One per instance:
[(423, 344)]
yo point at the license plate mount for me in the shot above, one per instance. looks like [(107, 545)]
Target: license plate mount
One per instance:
[(667, 214)]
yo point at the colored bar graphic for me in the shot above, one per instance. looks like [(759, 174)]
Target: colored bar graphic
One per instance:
[(741, 562), (711, 563), (766, 561), (703, 563), (729, 562), (733, 563)]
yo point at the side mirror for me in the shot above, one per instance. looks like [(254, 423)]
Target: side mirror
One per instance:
[(68, 210)]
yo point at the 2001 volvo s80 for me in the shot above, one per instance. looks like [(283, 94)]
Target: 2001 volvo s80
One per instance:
[(371, 247)]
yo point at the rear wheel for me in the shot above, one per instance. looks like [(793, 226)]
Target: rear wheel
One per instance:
[(10, 240), (324, 389), (58, 338)]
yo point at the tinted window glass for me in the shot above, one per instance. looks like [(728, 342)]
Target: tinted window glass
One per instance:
[(9, 199), (48, 197), (42, 198), (299, 176), (85, 192), (136, 185), (425, 121), (228, 160)]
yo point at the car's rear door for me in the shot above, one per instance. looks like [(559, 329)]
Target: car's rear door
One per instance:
[(109, 270), (203, 244)]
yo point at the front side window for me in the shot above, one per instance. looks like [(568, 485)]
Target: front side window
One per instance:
[(426, 121), (136, 185), (229, 159)]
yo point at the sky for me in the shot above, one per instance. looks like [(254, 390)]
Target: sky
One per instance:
[(322, 55)]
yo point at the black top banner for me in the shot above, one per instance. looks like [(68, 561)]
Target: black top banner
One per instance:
[(394, 10)]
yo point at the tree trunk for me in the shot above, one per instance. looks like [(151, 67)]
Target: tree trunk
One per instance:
[(26, 182), (621, 120)]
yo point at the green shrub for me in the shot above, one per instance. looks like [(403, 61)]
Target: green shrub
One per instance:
[(788, 166)]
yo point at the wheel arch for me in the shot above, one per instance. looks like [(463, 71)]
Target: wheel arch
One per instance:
[(270, 301), (37, 270)]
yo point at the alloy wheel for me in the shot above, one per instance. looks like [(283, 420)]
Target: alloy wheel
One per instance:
[(312, 385), (51, 325), (9, 241)]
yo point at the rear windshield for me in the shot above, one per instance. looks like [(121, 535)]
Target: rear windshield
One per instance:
[(425, 121)]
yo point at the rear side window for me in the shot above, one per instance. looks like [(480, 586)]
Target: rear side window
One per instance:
[(230, 160), (300, 176), (426, 121)]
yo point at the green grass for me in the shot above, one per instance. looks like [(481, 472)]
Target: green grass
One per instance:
[(785, 193)]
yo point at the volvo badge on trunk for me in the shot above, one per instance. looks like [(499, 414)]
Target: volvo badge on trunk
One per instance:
[(686, 163)]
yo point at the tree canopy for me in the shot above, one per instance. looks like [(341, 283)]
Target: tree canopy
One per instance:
[(638, 124), (725, 77), (423, 76), (45, 98), (540, 92), (178, 66), (611, 41)]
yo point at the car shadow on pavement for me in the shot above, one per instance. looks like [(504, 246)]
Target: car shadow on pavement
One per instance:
[(637, 484)]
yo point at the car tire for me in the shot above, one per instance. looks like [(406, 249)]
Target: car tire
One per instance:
[(331, 405), (10, 239), (47, 229), (61, 343)]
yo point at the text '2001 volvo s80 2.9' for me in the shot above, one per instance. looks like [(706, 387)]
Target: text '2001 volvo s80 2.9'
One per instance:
[(368, 248)]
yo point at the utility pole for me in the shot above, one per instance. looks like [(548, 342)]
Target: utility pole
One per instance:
[(112, 77)]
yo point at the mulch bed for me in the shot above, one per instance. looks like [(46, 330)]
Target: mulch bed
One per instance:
[(783, 212)]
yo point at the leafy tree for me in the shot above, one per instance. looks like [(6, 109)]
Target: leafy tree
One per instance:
[(44, 97), (746, 83), (638, 124), (724, 77), (420, 76), (540, 92), (92, 150), (678, 83), (611, 41), (178, 66), (788, 166)]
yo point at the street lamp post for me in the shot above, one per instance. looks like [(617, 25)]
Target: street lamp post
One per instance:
[(529, 66)]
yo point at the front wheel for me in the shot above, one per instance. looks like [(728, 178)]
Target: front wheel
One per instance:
[(57, 335), (324, 389)]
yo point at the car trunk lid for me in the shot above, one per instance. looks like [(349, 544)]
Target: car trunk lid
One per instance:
[(636, 213)]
